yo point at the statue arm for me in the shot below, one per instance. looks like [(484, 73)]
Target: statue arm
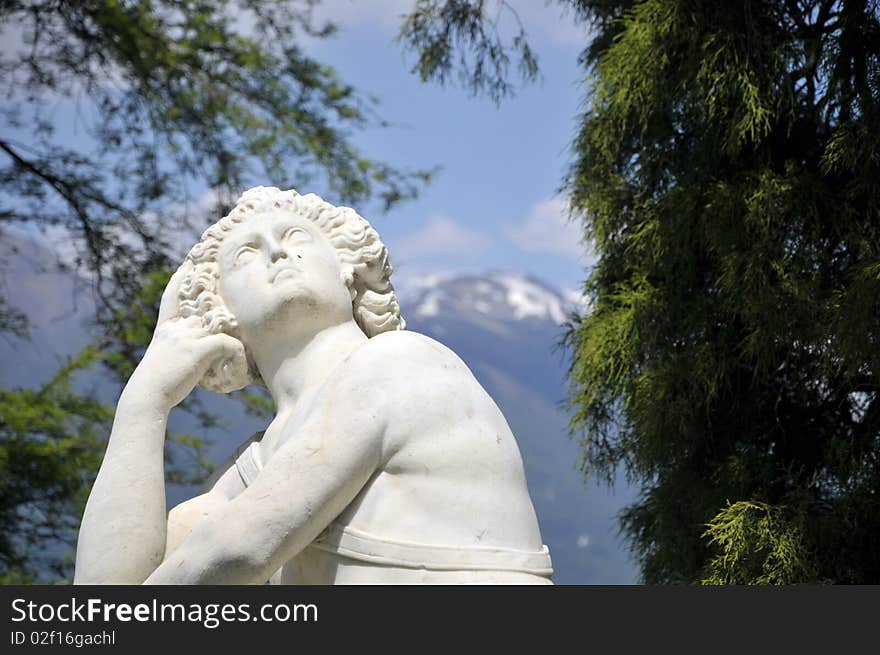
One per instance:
[(122, 536), (305, 484), (180, 522), (123, 532), (184, 517)]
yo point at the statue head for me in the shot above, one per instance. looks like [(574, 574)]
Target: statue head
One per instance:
[(363, 260)]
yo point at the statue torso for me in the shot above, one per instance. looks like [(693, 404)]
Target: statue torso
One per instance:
[(448, 503)]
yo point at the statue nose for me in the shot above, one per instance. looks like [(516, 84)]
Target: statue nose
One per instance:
[(278, 253)]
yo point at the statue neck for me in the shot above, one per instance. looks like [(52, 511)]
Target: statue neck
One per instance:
[(294, 367)]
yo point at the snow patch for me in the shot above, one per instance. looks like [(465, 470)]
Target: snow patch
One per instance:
[(499, 295), (530, 299), (430, 306)]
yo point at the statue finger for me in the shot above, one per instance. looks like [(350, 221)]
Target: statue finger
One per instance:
[(170, 297)]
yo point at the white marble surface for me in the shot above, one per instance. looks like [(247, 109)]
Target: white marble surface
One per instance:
[(387, 462)]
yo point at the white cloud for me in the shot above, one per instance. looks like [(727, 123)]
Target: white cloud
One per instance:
[(578, 301), (583, 541), (546, 228), (441, 236)]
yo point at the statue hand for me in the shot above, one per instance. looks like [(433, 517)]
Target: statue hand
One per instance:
[(179, 355)]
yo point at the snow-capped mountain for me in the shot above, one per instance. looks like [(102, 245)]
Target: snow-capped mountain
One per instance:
[(498, 295)]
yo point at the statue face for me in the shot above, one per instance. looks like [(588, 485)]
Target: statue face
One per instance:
[(278, 271)]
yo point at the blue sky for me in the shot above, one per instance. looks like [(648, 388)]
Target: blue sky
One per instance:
[(494, 203)]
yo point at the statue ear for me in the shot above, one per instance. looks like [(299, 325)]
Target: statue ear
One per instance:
[(347, 277)]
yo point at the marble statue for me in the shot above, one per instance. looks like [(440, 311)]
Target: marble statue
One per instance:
[(387, 462)]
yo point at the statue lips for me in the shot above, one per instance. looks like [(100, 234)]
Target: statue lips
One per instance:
[(286, 272)]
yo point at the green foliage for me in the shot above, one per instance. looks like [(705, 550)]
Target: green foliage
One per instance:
[(733, 347), (12, 320), (758, 544), (51, 442), (460, 34), (257, 402), (726, 170)]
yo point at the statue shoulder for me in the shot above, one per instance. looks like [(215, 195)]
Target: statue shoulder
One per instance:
[(389, 370), (408, 351), (392, 360)]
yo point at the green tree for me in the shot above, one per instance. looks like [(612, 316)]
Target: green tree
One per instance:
[(51, 440), (171, 97), (725, 170)]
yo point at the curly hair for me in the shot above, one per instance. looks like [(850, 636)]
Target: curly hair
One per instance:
[(358, 248)]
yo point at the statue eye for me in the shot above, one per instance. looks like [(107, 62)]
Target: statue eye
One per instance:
[(245, 253), (296, 235)]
